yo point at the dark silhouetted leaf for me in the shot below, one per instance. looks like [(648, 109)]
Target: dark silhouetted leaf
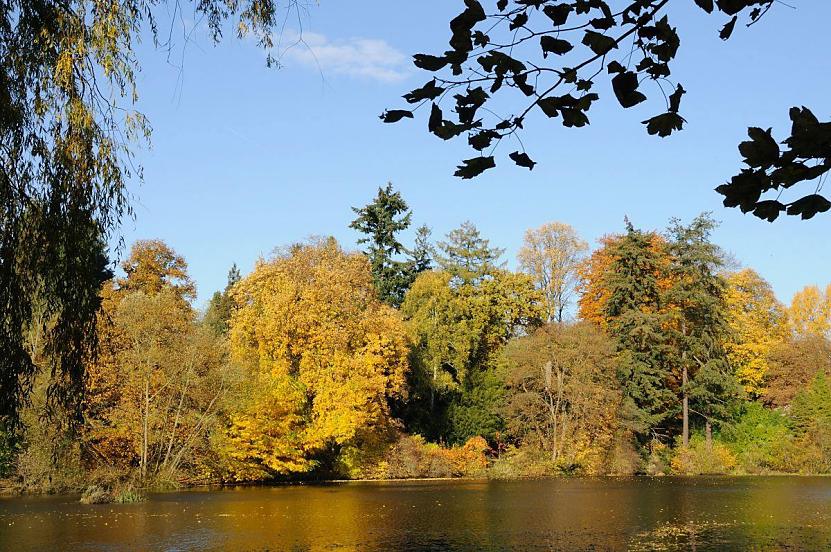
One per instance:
[(549, 106), (664, 124), (675, 98), (768, 210), (615, 67), (625, 86), (519, 21), (501, 5), (554, 46), (521, 82), (732, 7), (428, 62), (706, 5), (467, 104), (727, 30), (602, 23), (462, 25), (744, 189), (761, 150), (809, 206), (598, 43), (522, 160), (481, 39), (436, 117), (471, 168), (395, 115), (557, 13), (481, 140), (429, 91), (569, 75), (791, 173), (500, 63), (574, 117)]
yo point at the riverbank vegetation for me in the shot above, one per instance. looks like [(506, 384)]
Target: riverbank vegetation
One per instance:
[(652, 354)]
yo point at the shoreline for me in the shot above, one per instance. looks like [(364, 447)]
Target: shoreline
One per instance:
[(11, 492)]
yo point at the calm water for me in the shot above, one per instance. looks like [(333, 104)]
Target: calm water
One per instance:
[(771, 513)]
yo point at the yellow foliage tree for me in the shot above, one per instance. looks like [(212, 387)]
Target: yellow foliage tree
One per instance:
[(551, 254), (324, 353), (758, 322), (153, 392), (810, 312)]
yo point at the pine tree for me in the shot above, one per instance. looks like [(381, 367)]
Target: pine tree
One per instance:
[(218, 313), (421, 256), (698, 323), (467, 256), (634, 317), (381, 221)]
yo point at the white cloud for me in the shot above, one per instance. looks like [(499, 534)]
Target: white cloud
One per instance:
[(356, 57)]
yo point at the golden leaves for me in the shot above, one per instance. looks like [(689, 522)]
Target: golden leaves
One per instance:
[(310, 320), (758, 322)]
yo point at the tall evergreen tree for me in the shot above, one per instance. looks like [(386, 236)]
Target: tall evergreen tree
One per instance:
[(218, 314), (698, 323), (381, 221), (634, 315), (467, 256), (421, 256)]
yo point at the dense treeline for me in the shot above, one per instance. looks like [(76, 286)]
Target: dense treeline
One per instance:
[(652, 354)]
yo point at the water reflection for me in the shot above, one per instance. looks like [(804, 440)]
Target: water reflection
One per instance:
[(772, 513)]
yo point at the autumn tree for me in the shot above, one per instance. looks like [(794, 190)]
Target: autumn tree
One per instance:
[(757, 323), (593, 294), (466, 255), (381, 221), (546, 57), (457, 332), (698, 323), (504, 306), (810, 312), (153, 266), (154, 391), (69, 132), (793, 364), (551, 254), (563, 393), (442, 342), (324, 357)]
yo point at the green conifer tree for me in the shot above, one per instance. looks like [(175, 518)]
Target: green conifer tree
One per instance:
[(636, 322), (698, 324), (381, 221)]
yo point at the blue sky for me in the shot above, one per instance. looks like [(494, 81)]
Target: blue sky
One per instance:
[(245, 158)]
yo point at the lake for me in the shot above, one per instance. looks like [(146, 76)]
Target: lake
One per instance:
[(758, 513)]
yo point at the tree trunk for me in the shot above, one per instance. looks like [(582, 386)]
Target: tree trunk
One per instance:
[(144, 436), (433, 391), (686, 409), (708, 431), (684, 380)]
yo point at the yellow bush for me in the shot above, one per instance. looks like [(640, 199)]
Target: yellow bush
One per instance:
[(700, 459)]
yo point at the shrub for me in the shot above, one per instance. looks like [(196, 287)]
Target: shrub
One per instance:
[(699, 458), (523, 463), (125, 493), (411, 457), (659, 459), (760, 440)]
